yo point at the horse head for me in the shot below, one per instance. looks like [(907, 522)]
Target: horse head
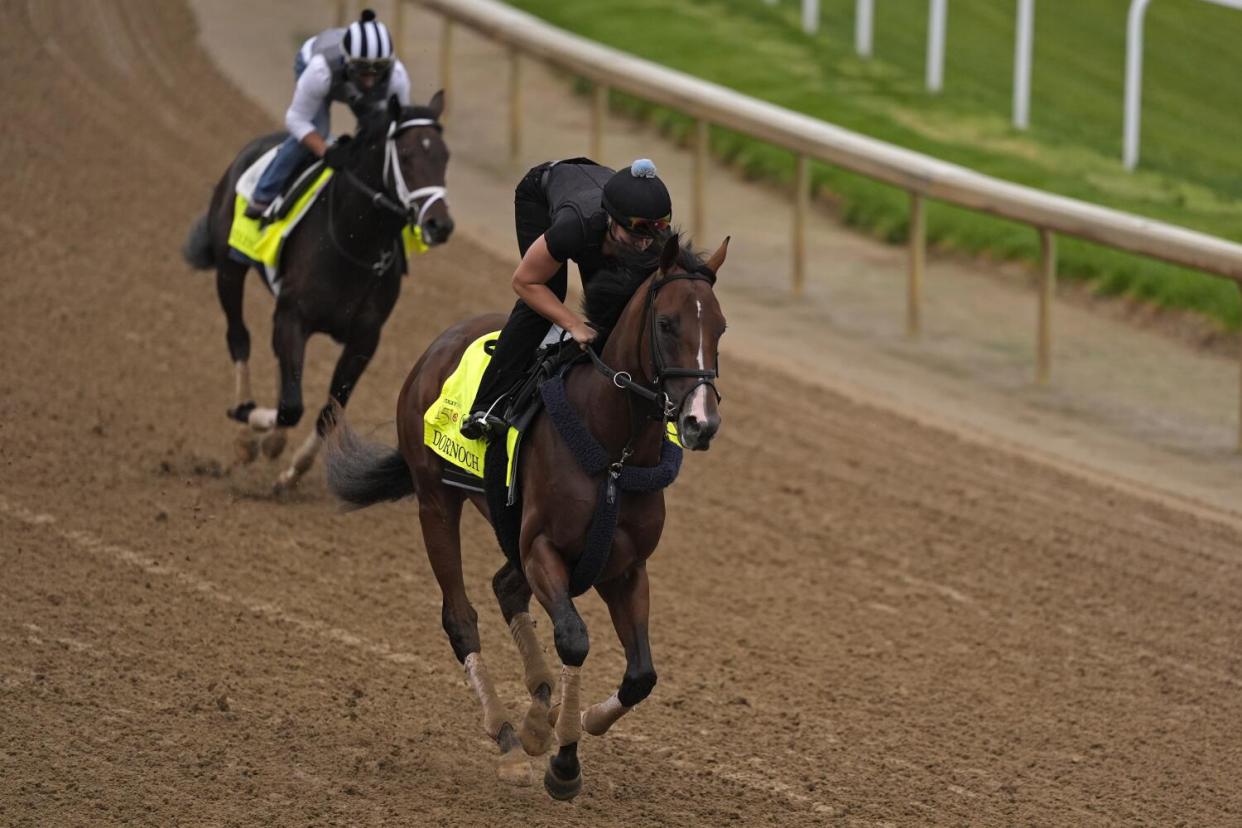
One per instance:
[(415, 158), (668, 334)]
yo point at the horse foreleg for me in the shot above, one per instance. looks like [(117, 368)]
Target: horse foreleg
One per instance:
[(513, 594), (628, 604), (354, 358), (439, 513), (549, 580), (289, 343)]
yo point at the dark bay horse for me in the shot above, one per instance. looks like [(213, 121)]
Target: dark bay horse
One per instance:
[(665, 328), (341, 266)]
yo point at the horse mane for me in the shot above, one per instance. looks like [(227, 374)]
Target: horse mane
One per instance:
[(608, 292)]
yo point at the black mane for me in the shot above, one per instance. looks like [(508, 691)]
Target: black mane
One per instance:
[(612, 286)]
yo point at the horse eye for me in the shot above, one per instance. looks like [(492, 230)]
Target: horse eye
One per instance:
[(665, 324)]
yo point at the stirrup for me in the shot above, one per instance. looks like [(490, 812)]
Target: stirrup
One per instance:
[(482, 426)]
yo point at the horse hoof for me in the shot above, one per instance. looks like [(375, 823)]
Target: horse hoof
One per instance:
[(514, 769), (246, 447), (285, 483), (535, 732), (560, 789), (273, 444)]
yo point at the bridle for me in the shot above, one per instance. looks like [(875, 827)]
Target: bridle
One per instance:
[(656, 393), (410, 206)]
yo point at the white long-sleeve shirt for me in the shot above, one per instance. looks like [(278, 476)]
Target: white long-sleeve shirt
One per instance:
[(315, 85)]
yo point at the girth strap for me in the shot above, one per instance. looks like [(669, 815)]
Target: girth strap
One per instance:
[(594, 460)]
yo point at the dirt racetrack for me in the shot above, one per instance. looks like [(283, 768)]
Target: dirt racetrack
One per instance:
[(856, 620)]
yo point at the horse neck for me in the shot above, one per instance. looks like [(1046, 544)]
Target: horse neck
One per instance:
[(360, 224), (611, 414)]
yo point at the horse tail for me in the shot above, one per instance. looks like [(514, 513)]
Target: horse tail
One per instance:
[(197, 248), (360, 473)]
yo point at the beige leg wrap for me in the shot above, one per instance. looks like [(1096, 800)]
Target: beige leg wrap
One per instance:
[(597, 718), (494, 715), (568, 727), (241, 382), (534, 665)]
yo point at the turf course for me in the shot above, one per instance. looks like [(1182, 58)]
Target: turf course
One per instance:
[(1191, 168)]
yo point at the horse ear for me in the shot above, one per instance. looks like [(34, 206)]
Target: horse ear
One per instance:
[(718, 258), (668, 256), (394, 108), (437, 104)]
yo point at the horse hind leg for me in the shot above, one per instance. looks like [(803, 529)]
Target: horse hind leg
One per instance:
[(230, 289), (440, 516), (513, 595)]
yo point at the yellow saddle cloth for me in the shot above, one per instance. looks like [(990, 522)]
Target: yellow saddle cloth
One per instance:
[(260, 243), (442, 421)]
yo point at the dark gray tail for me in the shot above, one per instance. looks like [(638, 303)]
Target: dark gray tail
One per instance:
[(362, 473), (197, 248)]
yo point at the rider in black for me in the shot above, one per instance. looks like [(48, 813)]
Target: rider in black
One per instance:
[(563, 210)]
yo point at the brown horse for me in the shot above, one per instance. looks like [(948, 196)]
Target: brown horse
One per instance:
[(662, 349), (341, 266)]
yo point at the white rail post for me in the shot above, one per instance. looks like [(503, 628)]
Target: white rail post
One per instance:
[(1047, 291), (1134, 81), (918, 258), (935, 44), (863, 16), (810, 16), (1022, 63)]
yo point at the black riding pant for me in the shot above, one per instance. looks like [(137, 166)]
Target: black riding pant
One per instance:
[(525, 329)]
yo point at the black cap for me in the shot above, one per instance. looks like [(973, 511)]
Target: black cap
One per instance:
[(637, 192)]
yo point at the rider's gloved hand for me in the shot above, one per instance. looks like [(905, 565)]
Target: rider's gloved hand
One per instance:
[(337, 154), (582, 333)]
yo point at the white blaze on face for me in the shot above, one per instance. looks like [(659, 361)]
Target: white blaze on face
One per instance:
[(698, 399)]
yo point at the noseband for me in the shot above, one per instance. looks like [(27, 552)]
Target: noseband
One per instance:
[(657, 393)]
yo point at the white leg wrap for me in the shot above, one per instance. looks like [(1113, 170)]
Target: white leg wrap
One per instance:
[(597, 718), (568, 726), (262, 419), (494, 716), (534, 665)]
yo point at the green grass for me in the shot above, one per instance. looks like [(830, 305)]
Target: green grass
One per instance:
[(1191, 168)]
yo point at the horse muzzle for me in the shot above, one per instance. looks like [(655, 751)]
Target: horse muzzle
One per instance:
[(696, 434), (436, 229)]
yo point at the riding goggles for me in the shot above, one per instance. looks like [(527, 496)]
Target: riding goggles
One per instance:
[(367, 66), (646, 226)]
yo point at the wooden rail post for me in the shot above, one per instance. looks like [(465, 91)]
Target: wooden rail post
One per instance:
[(1047, 291), (802, 197), (918, 259), (446, 65), (599, 115), (515, 104), (699, 208), (398, 26), (1239, 284)]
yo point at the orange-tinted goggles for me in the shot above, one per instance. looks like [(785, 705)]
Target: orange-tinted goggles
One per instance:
[(647, 226)]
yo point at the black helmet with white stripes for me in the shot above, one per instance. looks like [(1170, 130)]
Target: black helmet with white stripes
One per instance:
[(368, 46)]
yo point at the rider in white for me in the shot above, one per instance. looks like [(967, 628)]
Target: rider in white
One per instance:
[(354, 65)]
